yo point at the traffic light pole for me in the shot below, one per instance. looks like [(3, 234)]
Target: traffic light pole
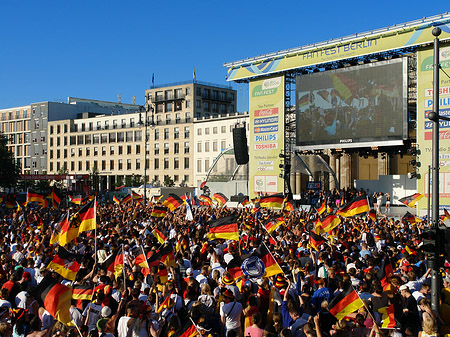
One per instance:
[(434, 116)]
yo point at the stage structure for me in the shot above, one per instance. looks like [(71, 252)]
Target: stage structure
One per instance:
[(354, 101)]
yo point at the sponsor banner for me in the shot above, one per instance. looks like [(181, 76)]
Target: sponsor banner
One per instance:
[(266, 141), (263, 129), (424, 125), (361, 44)]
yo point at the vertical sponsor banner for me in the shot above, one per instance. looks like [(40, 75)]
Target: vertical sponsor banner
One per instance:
[(266, 135), (425, 126)]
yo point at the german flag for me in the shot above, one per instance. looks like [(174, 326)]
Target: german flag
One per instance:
[(445, 216), (356, 206), (385, 272), (272, 267), (315, 240), (158, 199), (411, 200), (167, 256), (56, 197), (388, 317), (136, 196), (58, 228), (9, 204), (182, 244), (288, 206), (163, 274), (408, 217), (159, 211), (245, 202), (187, 330), (114, 263), (126, 199), (75, 200), (272, 201), (224, 228), (330, 222), (56, 298), (234, 267), (34, 197), (159, 236), (345, 303), (164, 303), (408, 250), (82, 292), (373, 215), (65, 264), (272, 224), (173, 202), (205, 200), (220, 198), (69, 231), (322, 207), (318, 227), (85, 217), (116, 200)]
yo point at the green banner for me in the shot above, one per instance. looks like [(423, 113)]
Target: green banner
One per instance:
[(266, 136), (389, 39), (424, 125)]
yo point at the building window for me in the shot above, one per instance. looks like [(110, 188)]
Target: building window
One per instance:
[(175, 178), (111, 165), (187, 117), (138, 149), (207, 146), (103, 165), (80, 166), (138, 164), (156, 164), (199, 147), (156, 134), (215, 146), (176, 163), (198, 104), (129, 135), (206, 131), (88, 152), (206, 165), (72, 166), (199, 165), (156, 148), (137, 136), (188, 91), (120, 137), (51, 129), (95, 151), (87, 139), (159, 107), (128, 149), (214, 107), (176, 148), (104, 138), (186, 147), (223, 108), (199, 132), (188, 103), (223, 145), (80, 152), (111, 150), (166, 163), (176, 133), (128, 164), (120, 164), (168, 119), (166, 133), (186, 162), (88, 165), (206, 106), (120, 150), (103, 150), (223, 129), (96, 139), (177, 118), (186, 132), (166, 148)]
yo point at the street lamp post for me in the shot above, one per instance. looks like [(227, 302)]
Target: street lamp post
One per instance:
[(148, 108)]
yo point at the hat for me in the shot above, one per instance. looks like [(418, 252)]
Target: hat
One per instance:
[(26, 275), (106, 311), (280, 282), (403, 287), (189, 272), (228, 293), (227, 279), (101, 323), (447, 279)]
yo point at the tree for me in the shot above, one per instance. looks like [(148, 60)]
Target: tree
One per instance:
[(168, 182), (9, 170)]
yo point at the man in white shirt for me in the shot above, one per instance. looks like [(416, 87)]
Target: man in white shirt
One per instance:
[(230, 314)]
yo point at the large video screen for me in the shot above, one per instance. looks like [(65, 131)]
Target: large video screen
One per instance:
[(364, 105)]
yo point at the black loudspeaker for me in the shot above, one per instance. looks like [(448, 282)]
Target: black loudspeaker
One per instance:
[(240, 146)]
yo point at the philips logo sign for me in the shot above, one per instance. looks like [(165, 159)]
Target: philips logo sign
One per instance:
[(265, 138)]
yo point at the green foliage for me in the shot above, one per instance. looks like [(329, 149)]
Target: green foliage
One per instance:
[(168, 182), (9, 171)]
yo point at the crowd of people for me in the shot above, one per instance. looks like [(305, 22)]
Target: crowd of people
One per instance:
[(199, 295)]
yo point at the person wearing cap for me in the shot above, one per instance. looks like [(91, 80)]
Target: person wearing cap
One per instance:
[(230, 314), (446, 290), (101, 327)]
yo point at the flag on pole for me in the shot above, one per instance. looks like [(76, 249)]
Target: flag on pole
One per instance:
[(345, 303), (65, 264), (224, 228), (272, 201), (272, 267), (159, 236), (411, 200), (114, 263), (330, 222), (56, 298), (85, 217), (356, 206), (220, 198)]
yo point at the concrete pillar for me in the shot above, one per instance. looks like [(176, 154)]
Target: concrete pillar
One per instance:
[(333, 167), (346, 171), (383, 165)]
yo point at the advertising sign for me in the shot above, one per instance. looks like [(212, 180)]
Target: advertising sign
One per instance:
[(266, 136), (424, 125), (381, 40)]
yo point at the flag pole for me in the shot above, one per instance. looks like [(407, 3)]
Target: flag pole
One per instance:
[(78, 329), (124, 270), (365, 307), (145, 256), (95, 230)]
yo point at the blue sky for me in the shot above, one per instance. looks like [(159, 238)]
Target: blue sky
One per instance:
[(50, 50)]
